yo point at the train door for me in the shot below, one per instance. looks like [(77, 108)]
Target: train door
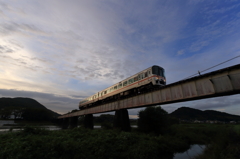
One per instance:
[(140, 77)]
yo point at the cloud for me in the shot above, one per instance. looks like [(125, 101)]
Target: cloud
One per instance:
[(217, 103), (215, 26), (82, 47), (57, 103), (225, 9), (180, 52)]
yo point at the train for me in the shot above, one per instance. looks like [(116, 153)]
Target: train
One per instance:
[(145, 80)]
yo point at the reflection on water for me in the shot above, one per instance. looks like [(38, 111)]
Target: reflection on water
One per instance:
[(15, 127), (98, 126), (49, 127), (190, 153), (2, 122)]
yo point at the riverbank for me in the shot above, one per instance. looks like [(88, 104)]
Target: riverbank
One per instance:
[(99, 143), (19, 125)]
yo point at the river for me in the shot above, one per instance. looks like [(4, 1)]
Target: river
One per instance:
[(190, 153)]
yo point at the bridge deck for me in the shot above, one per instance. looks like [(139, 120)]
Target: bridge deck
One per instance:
[(218, 83)]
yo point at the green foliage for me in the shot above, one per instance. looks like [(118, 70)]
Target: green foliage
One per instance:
[(226, 144), (104, 118), (83, 143), (112, 144), (5, 113), (106, 125), (152, 119), (32, 130)]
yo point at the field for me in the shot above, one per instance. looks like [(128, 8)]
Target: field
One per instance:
[(222, 142)]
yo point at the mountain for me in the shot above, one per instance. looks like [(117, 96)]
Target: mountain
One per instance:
[(186, 113), (29, 108), (20, 102)]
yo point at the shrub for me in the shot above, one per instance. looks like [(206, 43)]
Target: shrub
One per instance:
[(152, 119), (106, 125)]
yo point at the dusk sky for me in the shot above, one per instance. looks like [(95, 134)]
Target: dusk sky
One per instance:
[(59, 52)]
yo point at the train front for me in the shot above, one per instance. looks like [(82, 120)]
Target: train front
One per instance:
[(160, 77)]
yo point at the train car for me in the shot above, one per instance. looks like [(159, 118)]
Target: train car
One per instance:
[(142, 81)]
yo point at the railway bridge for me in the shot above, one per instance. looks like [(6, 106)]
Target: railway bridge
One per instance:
[(222, 82)]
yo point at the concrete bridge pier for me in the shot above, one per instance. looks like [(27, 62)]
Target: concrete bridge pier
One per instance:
[(65, 123), (121, 120), (73, 122), (88, 121)]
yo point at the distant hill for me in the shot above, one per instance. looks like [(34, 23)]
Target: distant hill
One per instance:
[(29, 104), (186, 113), (20, 102)]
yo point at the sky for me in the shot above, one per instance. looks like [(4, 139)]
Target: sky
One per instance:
[(59, 52)]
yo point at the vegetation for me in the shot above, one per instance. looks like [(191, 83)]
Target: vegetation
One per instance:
[(226, 144), (152, 119), (154, 139), (104, 118), (104, 144)]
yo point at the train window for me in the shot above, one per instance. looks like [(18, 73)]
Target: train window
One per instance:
[(146, 74), (139, 76), (115, 87), (158, 71), (163, 73), (120, 85), (124, 83), (149, 72), (135, 78), (130, 81), (105, 92)]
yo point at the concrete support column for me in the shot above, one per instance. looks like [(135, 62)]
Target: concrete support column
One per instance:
[(121, 120), (88, 121), (65, 123), (73, 121)]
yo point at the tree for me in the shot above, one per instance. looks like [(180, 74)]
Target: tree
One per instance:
[(5, 113), (17, 112), (152, 119), (36, 114)]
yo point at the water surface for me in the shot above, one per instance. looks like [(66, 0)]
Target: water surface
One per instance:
[(190, 153)]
